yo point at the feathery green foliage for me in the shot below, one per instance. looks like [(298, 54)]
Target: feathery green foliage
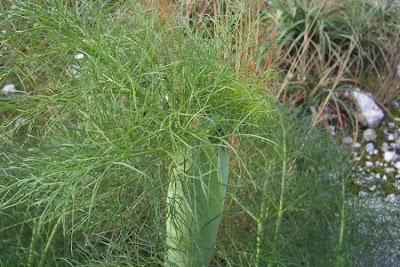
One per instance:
[(90, 146)]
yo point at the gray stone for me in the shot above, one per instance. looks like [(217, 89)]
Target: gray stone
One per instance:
[(79, 56), (393, 198), (369, 135), (397, 165), (389, 156), (368, 113), (389, 170), (391, 137), (348, 140), (370, 148), (385, 147)]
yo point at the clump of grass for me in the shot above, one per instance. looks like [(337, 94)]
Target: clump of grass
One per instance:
[(85, 171)]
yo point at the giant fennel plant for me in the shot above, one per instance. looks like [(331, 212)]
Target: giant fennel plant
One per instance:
[(118, 145), (133, 99)]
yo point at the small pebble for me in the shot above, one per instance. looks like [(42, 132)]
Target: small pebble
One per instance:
[(348, 140), (370, 148), (18, 122), (9, 88), (368, 164), (397, 165), (372, 188), (397, 184), (376, 151), (385, 147), (393, 198), (389, 156), (389, 170), (369, 135), (362, 194), (291, 75), (332, 129), (391, 137), (79, 56), (384, 177)]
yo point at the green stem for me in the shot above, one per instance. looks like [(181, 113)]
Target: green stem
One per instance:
[(340, 260), (195, 202), (282, 193), (34, 233), (260, 224), (49, 241)]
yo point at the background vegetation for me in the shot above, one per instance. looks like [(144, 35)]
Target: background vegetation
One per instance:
[(109, 91)]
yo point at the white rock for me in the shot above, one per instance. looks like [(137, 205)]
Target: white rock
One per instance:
[(393, 198), (391, 124), (391, 137), (357, 145), (369, 135), (368, 113), (348, 140), (370, 148), (368, 164), (389, 156), (79, 56), (389, 170), (9, 88), (385, 131), (372, 188), (397, 184), (384, 177), (376, 151), (291, 75), (18, 122), (332, 129), (397, 165), (362, 194)]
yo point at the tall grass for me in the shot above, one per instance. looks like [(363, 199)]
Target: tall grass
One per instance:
[(89, 145)]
